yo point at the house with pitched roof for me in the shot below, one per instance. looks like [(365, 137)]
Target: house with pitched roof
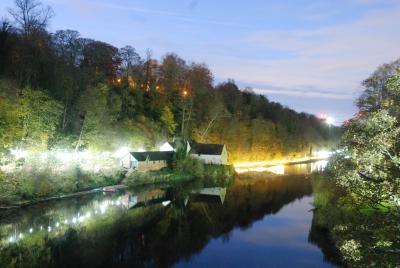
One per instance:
[(210, 153), (147, 161)]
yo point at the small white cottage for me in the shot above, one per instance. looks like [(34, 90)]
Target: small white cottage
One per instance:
[(146, 161), (210, 153)]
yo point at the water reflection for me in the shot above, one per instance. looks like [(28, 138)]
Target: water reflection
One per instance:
[(251, 221), (306, 168)]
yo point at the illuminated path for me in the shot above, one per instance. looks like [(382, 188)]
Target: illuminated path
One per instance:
[(276, 166)]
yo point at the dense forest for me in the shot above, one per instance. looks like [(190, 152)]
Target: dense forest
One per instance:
[(63, 91)]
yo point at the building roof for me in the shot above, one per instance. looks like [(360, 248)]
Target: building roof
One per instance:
[(173, 144), (152, 156), (208, 149)]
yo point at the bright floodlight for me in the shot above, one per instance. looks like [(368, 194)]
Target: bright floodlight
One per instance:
[(330, 120), (121, 152), (19, 154)]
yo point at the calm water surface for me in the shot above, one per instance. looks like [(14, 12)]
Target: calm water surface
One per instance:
[(255, 220)]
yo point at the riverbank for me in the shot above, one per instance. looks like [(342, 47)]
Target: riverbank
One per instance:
[(24, 195), (29, 184), (212, 174), (363, 235)]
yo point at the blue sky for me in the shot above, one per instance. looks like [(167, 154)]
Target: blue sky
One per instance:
[(308, 54)]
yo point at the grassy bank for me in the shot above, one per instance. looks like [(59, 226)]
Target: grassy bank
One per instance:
[(183, 170), (33, 184)]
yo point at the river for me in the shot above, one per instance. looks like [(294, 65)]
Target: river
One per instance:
[(255, 220)]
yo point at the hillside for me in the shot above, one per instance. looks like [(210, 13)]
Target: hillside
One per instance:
[(62, 91)]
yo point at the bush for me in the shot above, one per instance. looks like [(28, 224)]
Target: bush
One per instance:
[(191, 167)]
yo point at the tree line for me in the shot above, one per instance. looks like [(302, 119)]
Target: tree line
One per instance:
[(62, 90)]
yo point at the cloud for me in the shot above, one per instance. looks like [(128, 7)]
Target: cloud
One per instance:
[(305, 93), (326, 61), (90, 7)]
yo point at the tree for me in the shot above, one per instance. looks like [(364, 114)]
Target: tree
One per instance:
[(98, 118), (38, 116), (100, 61), (167, 118), (129, 58), (31, 16), (5, 44), (370, 165), (67, 46), (376, 87)]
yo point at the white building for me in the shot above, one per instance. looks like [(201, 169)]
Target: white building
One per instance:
[(210, 153)]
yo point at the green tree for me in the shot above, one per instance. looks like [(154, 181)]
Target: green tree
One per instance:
[(370, 165), (38, 116), (167, 119)]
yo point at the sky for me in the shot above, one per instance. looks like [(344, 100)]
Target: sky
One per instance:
[(310, 55)]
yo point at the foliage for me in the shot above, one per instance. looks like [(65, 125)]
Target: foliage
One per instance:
[(363, 239), (370, 165), (362, 209), (191, 167), (167, 119)]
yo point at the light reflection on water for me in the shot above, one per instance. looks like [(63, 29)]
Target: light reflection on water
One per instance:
[(252, 222), (305, 168)]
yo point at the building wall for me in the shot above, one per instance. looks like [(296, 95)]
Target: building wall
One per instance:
[(209, 159), (151, 165), (126, 161), (214, 159), (224, 156)]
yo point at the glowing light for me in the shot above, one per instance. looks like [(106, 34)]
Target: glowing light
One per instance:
[(49, 229), (66, 221), (319, 165), (21, 235), (19, 154), (323, 154), (88, 215), (276, 165), (31, 230), (166, 203), (121, 152), (11, 239), (57, 224), (185, 93), (330, 120), (73, 220), (279, 170), (64, 156), (41, 228), (43, 156), (84, 155)]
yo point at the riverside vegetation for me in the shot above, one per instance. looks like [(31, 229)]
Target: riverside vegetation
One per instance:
[(358, 199)]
